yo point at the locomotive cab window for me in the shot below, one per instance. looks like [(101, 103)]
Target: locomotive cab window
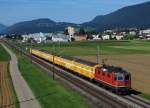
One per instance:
[(127, 77), (115, 77), (119, 77)]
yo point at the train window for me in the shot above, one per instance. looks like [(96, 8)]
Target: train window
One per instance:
[(120, 77), (127, 77)]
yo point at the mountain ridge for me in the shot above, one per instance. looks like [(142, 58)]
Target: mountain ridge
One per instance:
[(2, 27), (130, 16), (38, 25), (135, 16)]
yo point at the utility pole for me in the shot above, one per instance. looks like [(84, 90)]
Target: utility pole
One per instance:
[(98, 54), (59, 45), (53, 61), (30, 51), (20, 48)]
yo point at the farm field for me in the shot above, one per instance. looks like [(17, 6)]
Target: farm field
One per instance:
[(7, 94), (50, 93), (137, 65), (134, 56), (90, 48)]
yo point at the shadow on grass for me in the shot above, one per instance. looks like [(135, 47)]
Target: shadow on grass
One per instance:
[(135, 92)]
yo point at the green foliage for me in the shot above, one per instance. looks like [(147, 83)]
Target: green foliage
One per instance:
[(4, 56), (130, 37), (49, 92), (66, 32), (81, 31), (15, 37), (30, 40), (146, 96), (72, 39)]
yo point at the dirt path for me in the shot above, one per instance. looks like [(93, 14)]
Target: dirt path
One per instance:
[(7, 99), (24, 93), (138, 65)]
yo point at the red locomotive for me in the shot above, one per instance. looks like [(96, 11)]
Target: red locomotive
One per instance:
[(114, 78)]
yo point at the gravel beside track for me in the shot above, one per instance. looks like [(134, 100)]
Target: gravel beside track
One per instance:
[(24, 93), (6, 94)]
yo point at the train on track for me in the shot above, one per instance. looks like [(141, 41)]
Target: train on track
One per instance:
[(113, 78)]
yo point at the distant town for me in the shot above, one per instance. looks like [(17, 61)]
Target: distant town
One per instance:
[(74, 34)]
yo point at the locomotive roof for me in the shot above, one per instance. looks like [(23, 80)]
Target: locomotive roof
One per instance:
[(81, 61), (114, 69), (74, 58)]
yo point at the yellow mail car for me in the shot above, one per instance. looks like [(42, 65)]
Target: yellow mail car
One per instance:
[(79, 66)]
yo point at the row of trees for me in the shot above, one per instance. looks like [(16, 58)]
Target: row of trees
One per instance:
[(81, 31)]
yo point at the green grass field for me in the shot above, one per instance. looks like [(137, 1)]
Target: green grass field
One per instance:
[(146, 96), (4, 56), (90, 47), (50, 93)]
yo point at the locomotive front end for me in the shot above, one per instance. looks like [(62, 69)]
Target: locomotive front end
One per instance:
[(122, 81)]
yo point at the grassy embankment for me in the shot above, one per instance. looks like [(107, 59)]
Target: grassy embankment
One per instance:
[(50, 93), (5, 57)]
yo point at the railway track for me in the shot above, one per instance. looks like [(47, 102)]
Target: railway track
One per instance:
[(104, 100), (138, 100)]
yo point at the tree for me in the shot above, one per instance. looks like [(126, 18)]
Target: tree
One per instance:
[(130, 37), (72, 39), (89, 37), (48, 38), (66, 32), (9, 37), (31, 40), (19, 37), (82, 31)]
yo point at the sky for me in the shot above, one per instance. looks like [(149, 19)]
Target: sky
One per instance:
[(75, 11)]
